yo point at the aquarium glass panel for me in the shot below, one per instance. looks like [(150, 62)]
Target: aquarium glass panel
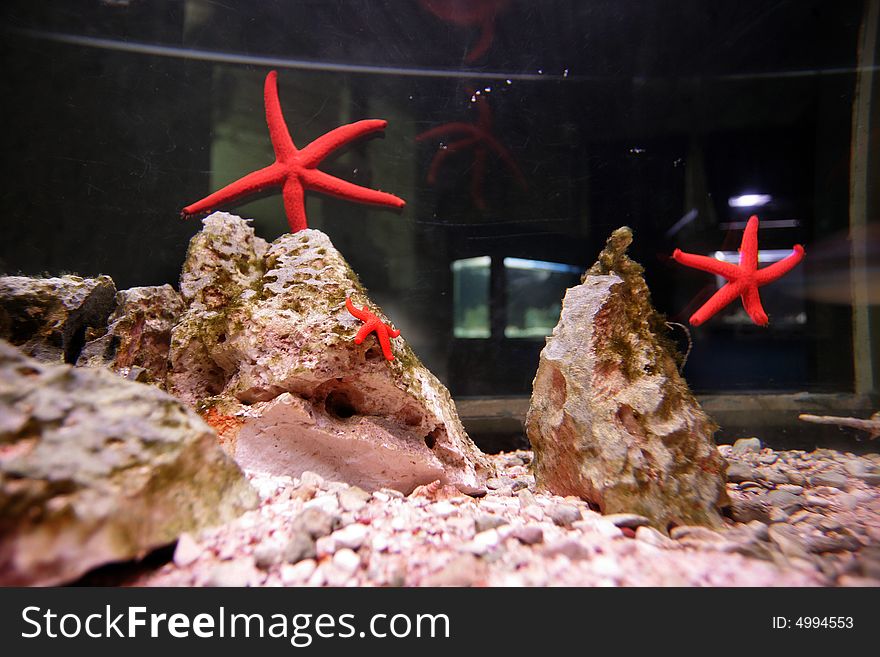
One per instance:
[(519, 132), (470, 284), (534, 295)]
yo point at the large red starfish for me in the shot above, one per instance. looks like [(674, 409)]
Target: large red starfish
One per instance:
[(477, 136), (373, 323), (743, 280), (295, 170)]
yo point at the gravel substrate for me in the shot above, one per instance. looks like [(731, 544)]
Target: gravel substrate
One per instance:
[(797, 519)]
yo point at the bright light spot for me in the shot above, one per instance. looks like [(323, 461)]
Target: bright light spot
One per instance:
[(471, 263), (749, 200), (522, 263)]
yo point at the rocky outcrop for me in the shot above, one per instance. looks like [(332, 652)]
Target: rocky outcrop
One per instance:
[(48, 318), (138, 334), (266, 352), (611, 420), (95, 469)]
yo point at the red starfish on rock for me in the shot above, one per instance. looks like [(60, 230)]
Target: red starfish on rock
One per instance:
[(373, 323), (743, 280), (477, 136), (296, 170)]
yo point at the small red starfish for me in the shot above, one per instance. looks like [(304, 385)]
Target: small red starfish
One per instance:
[(295, 170), (372, 323), (743, 279), (479, 136)]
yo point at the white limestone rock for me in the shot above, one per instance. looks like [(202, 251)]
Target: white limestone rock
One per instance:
[(48, 318), (136, 341), (95, 469), (611, 420), (266, 352)]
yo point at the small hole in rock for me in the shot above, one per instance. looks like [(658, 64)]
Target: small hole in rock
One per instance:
[(430, 440), (339, 405), (221, 337)]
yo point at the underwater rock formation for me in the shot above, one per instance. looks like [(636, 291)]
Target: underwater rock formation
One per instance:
[(138, 334), (47, 318), (611, 420), (94, 469), (267, 353)]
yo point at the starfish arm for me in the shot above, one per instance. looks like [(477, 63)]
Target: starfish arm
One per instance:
[(366, 329), (441, 155), (507, 158), (385, 343), (392, 332), (727, 293), (487, 34), (447, 129), (324, 182), (752, 303), (294, 204), (779, 269), (312, 154), (748, 250), (249, 184), (362, 315), (278, 132), (705, 263)]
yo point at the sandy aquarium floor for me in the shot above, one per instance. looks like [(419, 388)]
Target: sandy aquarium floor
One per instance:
[(797, 519)]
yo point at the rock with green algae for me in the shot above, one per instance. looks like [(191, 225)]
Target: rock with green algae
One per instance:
[(48, 318), (137, 337), (266, 352), (94, 469), (611, 420)]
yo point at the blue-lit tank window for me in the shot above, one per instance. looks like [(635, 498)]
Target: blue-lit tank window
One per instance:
[(470, 281), (534, 295)]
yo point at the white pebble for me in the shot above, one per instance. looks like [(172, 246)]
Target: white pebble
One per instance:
[(313, 478), (352, 536), (297, 573), (483, 542), (347, 561), (327, 503), (442, 509), (187, 550)]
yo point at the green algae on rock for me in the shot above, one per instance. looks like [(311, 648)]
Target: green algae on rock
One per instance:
[(611, 420), (97, 469), (278, 373)]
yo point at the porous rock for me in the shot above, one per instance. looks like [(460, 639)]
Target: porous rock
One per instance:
[(138, 334), (266, 352), (48, 318), (611, 420), (95, 469)]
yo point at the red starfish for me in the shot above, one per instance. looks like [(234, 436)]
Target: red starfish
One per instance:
[(372, 323), (295, 170), (743, 279), (479, 136)]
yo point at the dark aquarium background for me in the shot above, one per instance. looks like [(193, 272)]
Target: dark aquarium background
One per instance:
[(678, 119)]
